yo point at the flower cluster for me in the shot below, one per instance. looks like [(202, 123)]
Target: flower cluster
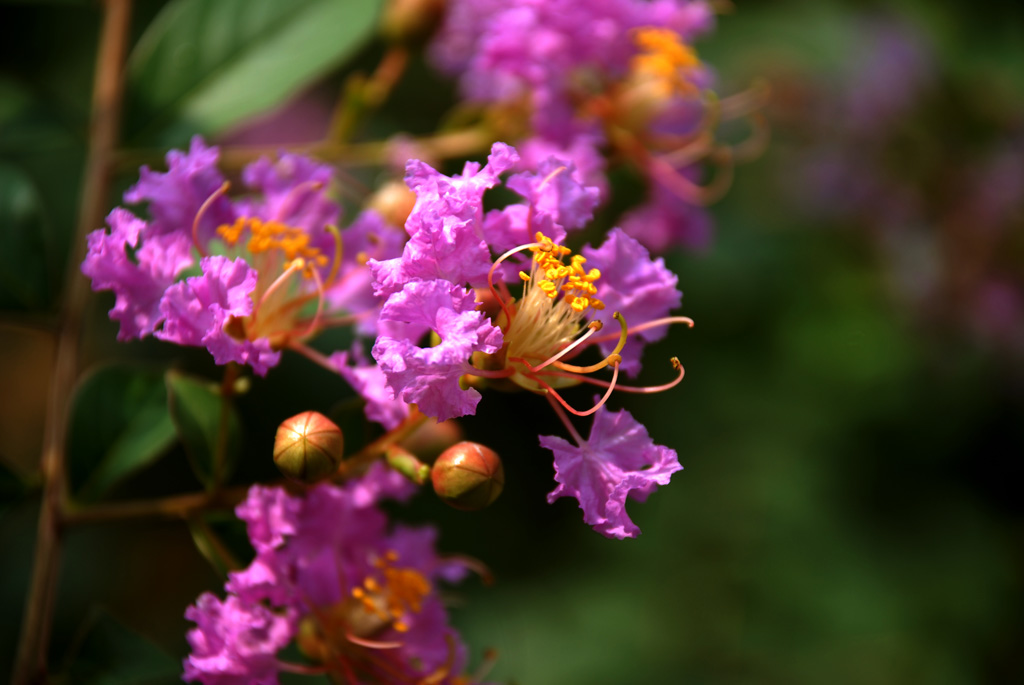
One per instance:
[(458, 256), (271, 265), (359, 599), (614, 74)]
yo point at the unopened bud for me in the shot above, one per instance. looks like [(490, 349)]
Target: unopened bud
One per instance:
[(411, 21), (308, 447), (468, 476), (406, 463), (432, 438), (394, 202)]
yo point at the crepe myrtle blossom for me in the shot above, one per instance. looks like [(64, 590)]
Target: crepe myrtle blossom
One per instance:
[(588, 78), (529, 342), (359, 598), (244, 277)]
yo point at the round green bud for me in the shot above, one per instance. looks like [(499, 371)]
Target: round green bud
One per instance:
[(468, 476), (308, 447)]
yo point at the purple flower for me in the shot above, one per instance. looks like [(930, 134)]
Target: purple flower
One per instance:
[(234, 642), (429, 376), (619, 459), (542, 51), (328, 568), (530, 340), (264, 256)]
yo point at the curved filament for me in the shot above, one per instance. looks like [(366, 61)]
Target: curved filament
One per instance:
[(202, 210), (614, 358)]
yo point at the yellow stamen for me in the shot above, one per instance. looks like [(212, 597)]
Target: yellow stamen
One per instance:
[(265, 236), (664, 60)]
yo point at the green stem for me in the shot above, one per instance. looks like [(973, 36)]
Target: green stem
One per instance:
[(357, 464), (454, 144), (174, 507)]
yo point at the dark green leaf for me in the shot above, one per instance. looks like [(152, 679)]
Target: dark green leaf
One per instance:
[(195, 407), (119, 425), (203, 65), (109, 653), (22, 233)]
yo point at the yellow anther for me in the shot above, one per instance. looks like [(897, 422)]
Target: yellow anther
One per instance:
[(524, 276), (664, 59), (265, 236)]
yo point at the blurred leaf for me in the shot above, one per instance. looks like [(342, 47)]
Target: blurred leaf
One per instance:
[(212, 547), (109, 653), (195, 406), (207, 64), (119, 425), (22, 233)]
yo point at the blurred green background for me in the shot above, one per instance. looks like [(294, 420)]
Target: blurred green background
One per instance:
[(851, 422)]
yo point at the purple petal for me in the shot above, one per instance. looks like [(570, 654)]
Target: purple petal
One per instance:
[(619, 459), (429, 376), (633, 284)]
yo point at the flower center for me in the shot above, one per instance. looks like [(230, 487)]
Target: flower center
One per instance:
[(271, 236), (388, 598), (549, 316), (664, 61)]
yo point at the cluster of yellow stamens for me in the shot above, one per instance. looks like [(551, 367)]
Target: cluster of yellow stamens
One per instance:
[(665, 61), (400, 591), (265, 236), (575, 283)]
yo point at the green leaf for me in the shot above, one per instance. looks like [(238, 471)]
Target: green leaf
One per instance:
[(119, 425), (195, 406), (107, 652), (204, 65), (22, 233)]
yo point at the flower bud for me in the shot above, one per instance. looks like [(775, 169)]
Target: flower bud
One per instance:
[(394, 202), (432, 438), (308, 447), (411, 20), (468, 476)]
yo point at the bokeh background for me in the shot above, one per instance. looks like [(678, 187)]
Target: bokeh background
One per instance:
[(851, 422)]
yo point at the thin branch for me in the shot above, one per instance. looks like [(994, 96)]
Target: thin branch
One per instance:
[(108, 89)]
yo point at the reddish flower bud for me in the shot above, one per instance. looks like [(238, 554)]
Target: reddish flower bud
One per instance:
[(308, 447), (468, 476), (411, 20)]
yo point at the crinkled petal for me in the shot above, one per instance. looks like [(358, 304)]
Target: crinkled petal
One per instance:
[(619, 459), (294, 191), (633, 284), (445, 226), (197, 310), (138, 282), (371, 384), (429, 376), (235, 642), (175, 196)]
